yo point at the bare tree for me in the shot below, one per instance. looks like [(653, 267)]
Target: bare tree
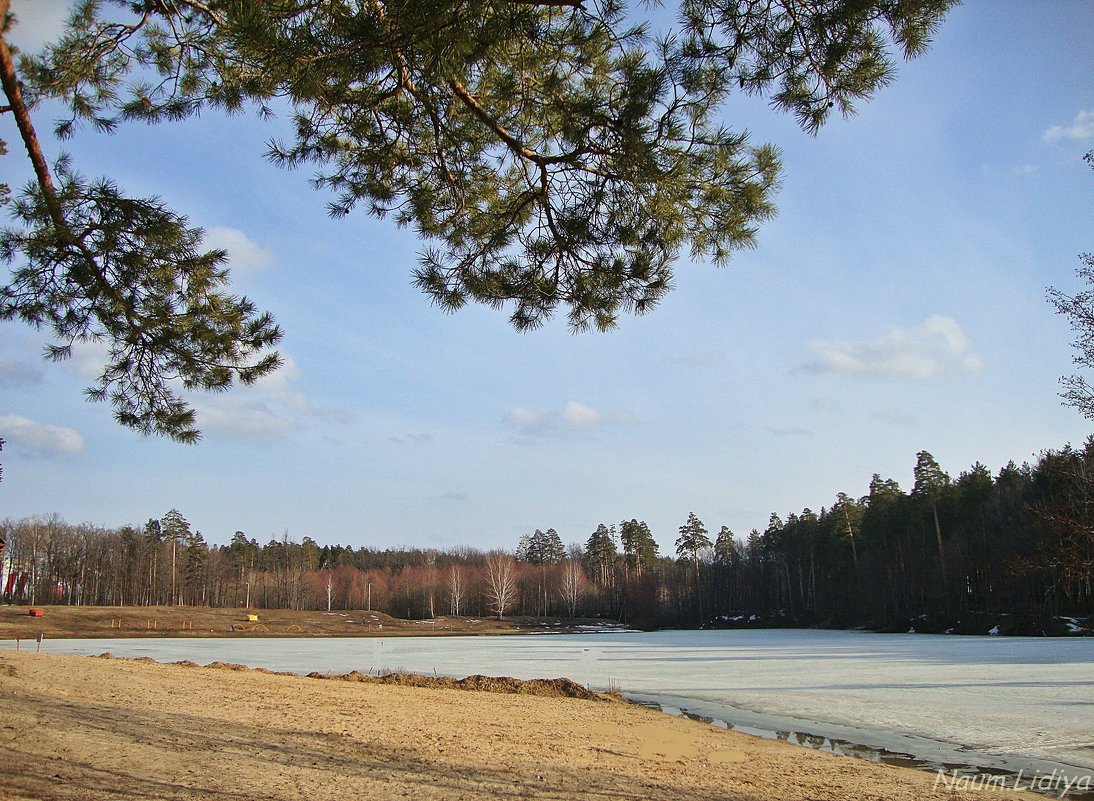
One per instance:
[(457, 589), (431, 579), (501, 582), (573, 585)]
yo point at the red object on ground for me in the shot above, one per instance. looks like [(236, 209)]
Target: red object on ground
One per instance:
[(36, 613)]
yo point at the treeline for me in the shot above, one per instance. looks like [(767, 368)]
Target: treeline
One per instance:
[(942, 556)]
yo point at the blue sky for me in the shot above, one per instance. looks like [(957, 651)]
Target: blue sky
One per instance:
[(895, 304)]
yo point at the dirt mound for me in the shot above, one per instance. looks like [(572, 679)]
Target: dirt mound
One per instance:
[(550, 688), (546, 688), (556, 688)]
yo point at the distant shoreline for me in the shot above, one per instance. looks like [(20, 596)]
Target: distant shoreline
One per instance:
[(92, 622)]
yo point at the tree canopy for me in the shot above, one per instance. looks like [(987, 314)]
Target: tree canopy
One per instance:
[(1013, 551), (693, 539), (550, 154)]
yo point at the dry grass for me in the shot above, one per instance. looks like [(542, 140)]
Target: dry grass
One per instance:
[(68, 622)]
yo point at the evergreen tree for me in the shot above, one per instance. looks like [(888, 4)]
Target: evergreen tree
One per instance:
[(550, 154), (175, 530), (930, 483), (153, 536), (639, 546), (542, 548), (849, 514), (692, 541), (693, 538), (552, 551), (726, 550), (600, 554), (242, 555), (197, 568)]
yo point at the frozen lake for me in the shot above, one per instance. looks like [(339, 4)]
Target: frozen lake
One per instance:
[(993, 702)]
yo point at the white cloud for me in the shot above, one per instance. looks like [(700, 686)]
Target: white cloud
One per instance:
[(41, 439), (1082, 127), (580, 415), (87, 359), (239, 418), (573, 418), (936, 348), (264, 411), (244, 254), (523, 417)]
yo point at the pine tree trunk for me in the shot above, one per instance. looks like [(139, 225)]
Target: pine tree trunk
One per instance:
[(941, 557)]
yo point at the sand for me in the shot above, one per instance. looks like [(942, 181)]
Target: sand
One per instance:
[(96, 728)]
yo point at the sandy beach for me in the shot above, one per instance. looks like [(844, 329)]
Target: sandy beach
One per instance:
[(104, 728)]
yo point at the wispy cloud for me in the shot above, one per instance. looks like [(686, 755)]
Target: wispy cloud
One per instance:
[(706, 358), (417, 438), (936, 348), (266, 410), (15, 374), (262, 412), (40, 439), (1082, 127), (244, 254), (894, 417), (574, 418), (448, 497), (242, 419), (790, 431)]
